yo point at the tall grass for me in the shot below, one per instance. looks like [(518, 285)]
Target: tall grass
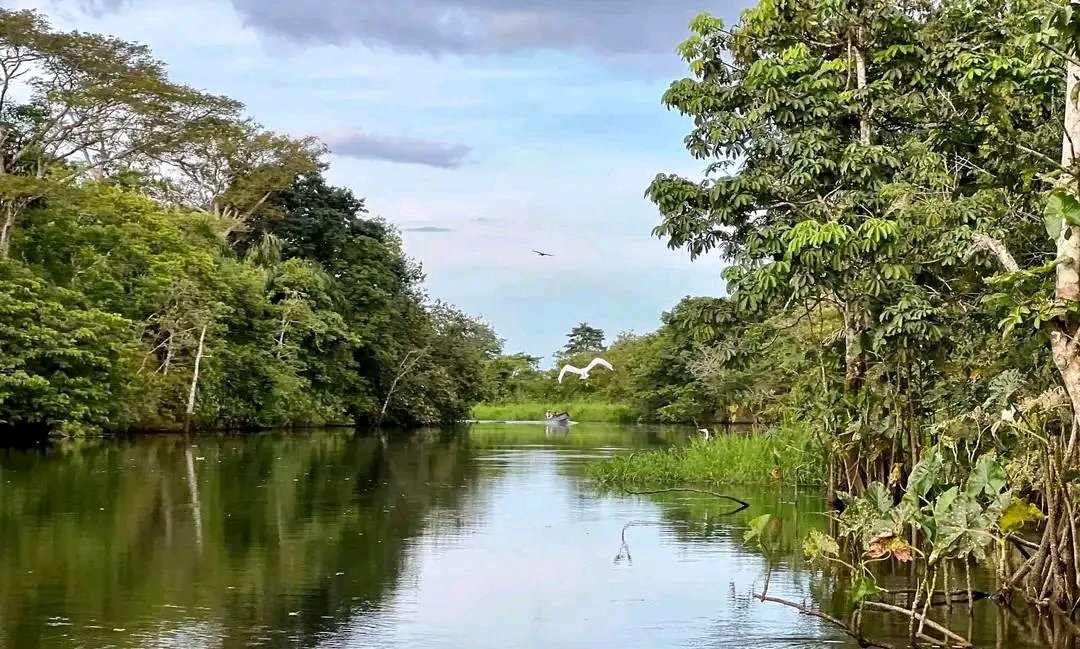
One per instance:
[(725, 459), (614, 413)]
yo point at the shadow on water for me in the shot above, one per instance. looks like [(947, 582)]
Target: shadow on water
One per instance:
[(487, 536)]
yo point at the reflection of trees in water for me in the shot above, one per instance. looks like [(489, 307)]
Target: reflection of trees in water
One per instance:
[(315, 525)]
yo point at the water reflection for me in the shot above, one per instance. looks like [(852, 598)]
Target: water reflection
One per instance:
[(490, 537)]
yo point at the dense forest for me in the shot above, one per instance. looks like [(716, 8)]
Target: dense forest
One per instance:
[(166, 262), (895, 186)]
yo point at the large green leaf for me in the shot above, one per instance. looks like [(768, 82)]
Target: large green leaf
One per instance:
[(988, 477), (879, 497), (1061, 208), (960, 527), (864, 587), (819, 544), (925, 474)]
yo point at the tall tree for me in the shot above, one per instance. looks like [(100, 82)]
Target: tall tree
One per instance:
[(96, 105), (582, 339)]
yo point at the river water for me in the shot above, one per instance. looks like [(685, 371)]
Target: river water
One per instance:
[(486, 537)]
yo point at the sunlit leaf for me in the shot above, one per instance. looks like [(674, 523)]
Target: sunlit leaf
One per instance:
[(819, 544), (1017, 514), (757, 527)]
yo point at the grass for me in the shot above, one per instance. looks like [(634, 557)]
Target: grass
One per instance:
[(722, 460), (613, 413)]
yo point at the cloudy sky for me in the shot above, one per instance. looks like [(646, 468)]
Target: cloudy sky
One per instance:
[(482, 128)]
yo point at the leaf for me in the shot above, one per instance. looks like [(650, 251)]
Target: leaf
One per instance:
[(925, 474), (1061, 207), (1053, 224), (757, 527), (890, 545), (879, 497), (960, 527), (1017, 514), (987, 477), (819, 544), (864, 587)]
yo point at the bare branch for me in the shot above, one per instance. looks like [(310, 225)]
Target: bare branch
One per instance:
[(922, 620), (987, 243), (743, 504)]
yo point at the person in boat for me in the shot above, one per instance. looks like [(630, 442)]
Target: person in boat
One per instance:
[(556, 415)]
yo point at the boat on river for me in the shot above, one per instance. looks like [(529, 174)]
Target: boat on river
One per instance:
[(561, 418), (550, 420)]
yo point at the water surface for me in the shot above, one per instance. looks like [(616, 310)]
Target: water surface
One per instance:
[(490, 537)]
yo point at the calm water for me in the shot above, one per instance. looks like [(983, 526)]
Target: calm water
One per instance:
[(486, 538)]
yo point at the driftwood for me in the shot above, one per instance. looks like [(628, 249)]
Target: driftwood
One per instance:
[(742, 503), (847, 629)]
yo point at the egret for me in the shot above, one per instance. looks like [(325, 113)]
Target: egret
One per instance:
[(584, 372)]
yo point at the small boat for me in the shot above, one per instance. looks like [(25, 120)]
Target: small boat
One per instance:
[(562, 418)]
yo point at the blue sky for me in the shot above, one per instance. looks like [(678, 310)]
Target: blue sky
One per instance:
[(481, 128)]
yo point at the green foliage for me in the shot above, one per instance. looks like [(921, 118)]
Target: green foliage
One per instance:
[(62, 365), (756, 529), (702, 365), (818, 545), (190, 268), (583, 339), (1017, 514), (723, 459)]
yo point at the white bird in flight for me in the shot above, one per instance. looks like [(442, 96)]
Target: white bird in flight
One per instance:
[(584, 372)]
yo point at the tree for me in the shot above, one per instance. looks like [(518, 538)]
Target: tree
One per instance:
[(96, 106), (582, 339), (181, 266), (821, 125), (62, 366), (231, 169)]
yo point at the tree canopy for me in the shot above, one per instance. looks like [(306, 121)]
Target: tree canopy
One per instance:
[(165, 262)]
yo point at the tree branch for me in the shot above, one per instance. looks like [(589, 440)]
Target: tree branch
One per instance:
[(743, 504), (922, 619), (987, 243), (863, 642)]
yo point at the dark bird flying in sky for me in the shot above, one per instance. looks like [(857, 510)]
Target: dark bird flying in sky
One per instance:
[(543, 254)]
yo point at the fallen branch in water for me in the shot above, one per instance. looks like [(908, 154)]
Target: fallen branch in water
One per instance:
[(958, 639), (804, 610), (953, 596), (743, 504)]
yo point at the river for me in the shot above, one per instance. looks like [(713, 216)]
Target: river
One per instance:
[(486, 537)]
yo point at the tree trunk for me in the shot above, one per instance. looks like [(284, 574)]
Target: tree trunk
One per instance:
[(1067, 285), (865, 136), (1058, 575), (403, 369), (168, 355), (194, 381), (10, 212)]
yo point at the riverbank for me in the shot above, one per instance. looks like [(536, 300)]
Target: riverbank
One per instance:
[(721, 460), (606, 413)]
